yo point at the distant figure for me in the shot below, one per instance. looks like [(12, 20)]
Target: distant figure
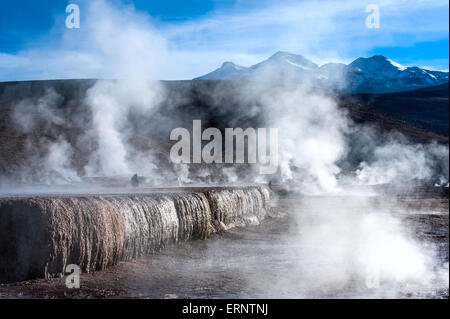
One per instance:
[(135, 180)]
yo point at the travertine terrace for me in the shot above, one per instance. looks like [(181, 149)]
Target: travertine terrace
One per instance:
[(41, 235)]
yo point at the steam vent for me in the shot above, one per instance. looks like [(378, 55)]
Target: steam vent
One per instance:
[(41, 235)]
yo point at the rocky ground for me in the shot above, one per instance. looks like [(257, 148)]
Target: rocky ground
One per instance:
[(286, 257)]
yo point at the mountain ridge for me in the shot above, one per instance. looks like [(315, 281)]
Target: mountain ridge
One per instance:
[(376, 74)]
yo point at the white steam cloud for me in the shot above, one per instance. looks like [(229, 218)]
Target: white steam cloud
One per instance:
[(395, 162), (350, 247), (132, 52)]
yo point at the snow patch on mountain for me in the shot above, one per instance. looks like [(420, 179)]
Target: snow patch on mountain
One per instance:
[(376, 74)]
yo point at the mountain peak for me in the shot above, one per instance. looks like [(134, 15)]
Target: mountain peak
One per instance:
[(283, 54), (228, 64), (377, 63), (377, 57), (375, 74), (290, 59), (228, 70)]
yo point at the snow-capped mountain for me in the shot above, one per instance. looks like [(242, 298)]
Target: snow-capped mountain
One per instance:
[(376, 74), (228, 70)]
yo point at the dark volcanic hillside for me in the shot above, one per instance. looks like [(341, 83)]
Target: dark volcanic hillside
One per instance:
[(427, 108), (71, 92), (421, 116)]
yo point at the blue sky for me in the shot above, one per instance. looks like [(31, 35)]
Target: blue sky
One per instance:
[(175, 39)]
